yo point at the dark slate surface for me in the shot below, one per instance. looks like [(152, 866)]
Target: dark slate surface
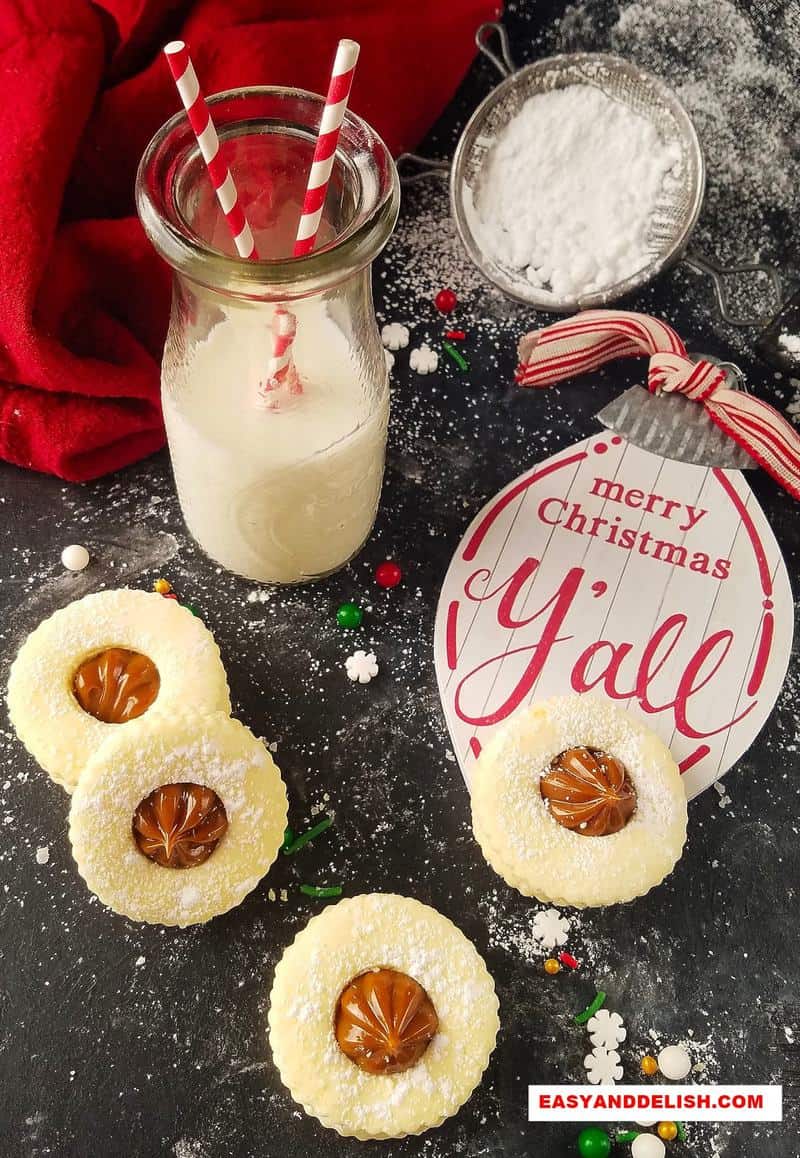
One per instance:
[(120, 1039)]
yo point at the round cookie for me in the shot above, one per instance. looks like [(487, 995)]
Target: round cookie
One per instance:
[(121, 654), (176, 819), (576, 802), (382, 1017)]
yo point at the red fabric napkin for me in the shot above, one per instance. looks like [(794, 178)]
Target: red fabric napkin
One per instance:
[(83, 87)]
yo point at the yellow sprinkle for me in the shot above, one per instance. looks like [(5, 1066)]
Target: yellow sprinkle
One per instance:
[(552, 966), (162, 586), (649, 1065), (667, 1131)]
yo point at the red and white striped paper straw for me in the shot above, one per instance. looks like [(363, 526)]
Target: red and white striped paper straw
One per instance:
[(281, 370), (182, 69), (339, 87)]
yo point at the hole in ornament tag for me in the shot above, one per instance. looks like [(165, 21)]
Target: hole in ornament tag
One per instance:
[(676, 427)]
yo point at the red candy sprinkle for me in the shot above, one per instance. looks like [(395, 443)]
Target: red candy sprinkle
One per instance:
[(170, 595), (568, 959), (445, 301), (456, 335), (388, 574)]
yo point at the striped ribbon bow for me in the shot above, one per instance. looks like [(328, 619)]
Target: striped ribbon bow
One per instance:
[(590, 339)]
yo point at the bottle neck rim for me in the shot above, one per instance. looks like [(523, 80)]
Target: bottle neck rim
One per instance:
[(366, 160)]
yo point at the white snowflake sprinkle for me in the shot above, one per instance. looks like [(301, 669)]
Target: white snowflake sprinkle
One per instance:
[(361, 666), (43, 854), (395, 336), (606, 1029), (550, 928), (603, 1067), (424, 360)]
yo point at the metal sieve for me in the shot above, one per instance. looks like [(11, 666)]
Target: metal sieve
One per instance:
[(675, 213), (681, 196)]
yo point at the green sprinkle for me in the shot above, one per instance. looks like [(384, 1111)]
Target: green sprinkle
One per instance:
[(192, 608), (628, 1136), (591, 1010), (349, 616), (316, 891), (305, 837), (681, 1132), (456, 355), (288, 837)]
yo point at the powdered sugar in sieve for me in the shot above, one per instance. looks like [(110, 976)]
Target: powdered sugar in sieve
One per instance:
[(637, 116)]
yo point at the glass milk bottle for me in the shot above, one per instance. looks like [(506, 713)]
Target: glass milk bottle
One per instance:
[(278, 473)]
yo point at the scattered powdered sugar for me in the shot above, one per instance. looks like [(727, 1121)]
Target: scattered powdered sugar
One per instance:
[(742, 96), (259, 595), (790, 343), (570, 188), (189, 896), (189, 1148), (513, 936)]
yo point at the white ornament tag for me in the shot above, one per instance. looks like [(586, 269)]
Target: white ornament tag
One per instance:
[(613, 571)]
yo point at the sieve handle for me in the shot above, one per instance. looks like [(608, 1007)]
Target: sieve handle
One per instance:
[(426, 167), (699, 263), (503, 63)]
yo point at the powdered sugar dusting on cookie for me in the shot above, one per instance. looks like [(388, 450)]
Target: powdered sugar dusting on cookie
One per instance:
[(212, 750), (42, 705), (525, 843), (371, 931)]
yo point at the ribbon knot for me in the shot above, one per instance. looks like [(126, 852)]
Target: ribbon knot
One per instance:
[(595, 337), (675, 373)]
